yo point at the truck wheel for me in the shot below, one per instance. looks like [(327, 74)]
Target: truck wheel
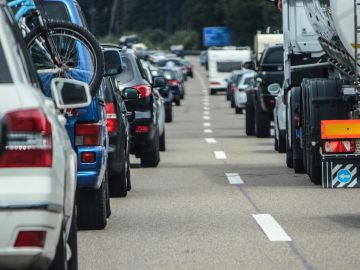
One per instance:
[(117, 181), (92, 208), (163, 141), (168, 115), (152, 158), (282, 142), (72, 241), (212, 91), (59, 262), (238, 110), (249, 119), (262, 122)]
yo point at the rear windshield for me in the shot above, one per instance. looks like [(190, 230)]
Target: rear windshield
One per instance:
[(169, 75), (170, 63), (228, 67), (274, 57), (127, 75), (54, 10), (5, 76)]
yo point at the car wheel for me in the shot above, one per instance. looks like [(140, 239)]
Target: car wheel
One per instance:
[(178, 102), (92, 208), (228, 97), (238, 110), (59, 262), (108, 207), (72, 241), (262, 122), (128, 172), (232, 102), (163, 142), (168, 115), (282, 142), (152, 158), (117, 181), (276, 143), (212, 91), (249, 120)]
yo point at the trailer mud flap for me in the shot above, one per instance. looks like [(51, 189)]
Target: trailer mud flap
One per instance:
[(341, 172)]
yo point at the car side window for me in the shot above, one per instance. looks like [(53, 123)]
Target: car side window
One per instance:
[(142, 72)]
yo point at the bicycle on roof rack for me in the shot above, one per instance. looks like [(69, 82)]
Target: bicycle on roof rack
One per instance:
[(59, 48)]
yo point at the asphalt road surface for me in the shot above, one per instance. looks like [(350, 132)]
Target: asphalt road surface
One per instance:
[(227, 202)]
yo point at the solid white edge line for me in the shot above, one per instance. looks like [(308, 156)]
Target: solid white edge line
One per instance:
[(234, 178), (207, 131), (271, 228), (210, 140), (220, 154)]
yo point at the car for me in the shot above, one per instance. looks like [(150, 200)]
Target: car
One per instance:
[(242, 85), (166, 94), (189, 68), (231, 85), (174, 80), (155, 56), (270, 70), (174, 62), (203, 59), (38, 165), (88, 134), (140, 99)]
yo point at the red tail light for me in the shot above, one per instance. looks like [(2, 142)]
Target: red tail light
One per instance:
[(111, 118), (87, 134), (88, 157), (142, 129), (339, 146), (29, 140), (144, 90), (214, 83), (26, 239), (233, 88), (173, 82)]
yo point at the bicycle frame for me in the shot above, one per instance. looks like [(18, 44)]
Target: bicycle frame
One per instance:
[(26, 5)]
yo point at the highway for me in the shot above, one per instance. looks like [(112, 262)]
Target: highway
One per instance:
[(222, 200)]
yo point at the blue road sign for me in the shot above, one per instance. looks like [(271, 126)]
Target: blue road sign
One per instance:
[(344, 176), (216, 36)]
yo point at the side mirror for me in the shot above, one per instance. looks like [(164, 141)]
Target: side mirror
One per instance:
[(3, 134), (274, 89), (113, 63), (130, 94), (70, 94), (159, 82)]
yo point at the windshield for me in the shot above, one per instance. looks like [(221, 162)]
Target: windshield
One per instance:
[(54, 10), (229, 66), (274, 57), (5, 76)]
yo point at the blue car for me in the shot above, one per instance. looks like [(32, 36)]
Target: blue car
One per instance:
[(88, 134)]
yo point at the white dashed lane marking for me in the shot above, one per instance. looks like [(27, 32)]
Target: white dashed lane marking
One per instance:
[(205, 117), (207, 130), (220, 154), (210, 140), (234, 178), (206, 124), (271, 228), (206, 112)]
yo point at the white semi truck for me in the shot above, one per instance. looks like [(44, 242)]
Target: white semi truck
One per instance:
[(322, 89)]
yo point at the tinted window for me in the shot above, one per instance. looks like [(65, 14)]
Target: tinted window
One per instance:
[(108, 90), (228, 66), (127, 74), (5, 76), (169, 75), (274, 57), (54, 10), (170, 63)]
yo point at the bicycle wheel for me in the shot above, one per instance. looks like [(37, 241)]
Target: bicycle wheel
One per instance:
[(66, 50)]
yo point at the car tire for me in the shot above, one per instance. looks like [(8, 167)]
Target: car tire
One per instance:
[(282, 143), (228, 97), (152, 158), (178, 102), (249, 120), (92, 208), (59, 262), (276, 144), (118, 181), (169, 115), (108, 207), (212, 92), (262, 122), (72, 241), (232, 102), (298, 166), (128, 172), (163, 142)]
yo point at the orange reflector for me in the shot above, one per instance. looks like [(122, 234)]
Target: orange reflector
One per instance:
[(340, 129)]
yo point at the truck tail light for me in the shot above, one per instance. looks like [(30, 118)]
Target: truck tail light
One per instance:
[(111, 118), (144, 90), (88, 157), (87, 134), (26, 239), (29, 140), (339, 146)]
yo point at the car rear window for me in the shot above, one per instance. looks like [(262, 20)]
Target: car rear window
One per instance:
[(170, 63), (274, 57), (229, 66), (127, 74), (5, 76), (54, 10), (169, 75)]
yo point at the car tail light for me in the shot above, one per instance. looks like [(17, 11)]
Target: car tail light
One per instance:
[(144, 90), (87, 134), (233, 88), (339, 146), (214, 83), (112, 123), (88, 157), (26, 239), (29, 140), (173, 82), (142, 129)]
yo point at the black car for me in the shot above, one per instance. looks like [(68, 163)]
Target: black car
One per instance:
[(175, 84), (140, 99), (261, 102)]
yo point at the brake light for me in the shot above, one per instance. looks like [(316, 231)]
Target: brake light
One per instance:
[(112, 123), (88, 157), (142, 129), (26, 239), (233, 88), (339, 146), (214, 83), (144, 90), (29, 140), (173, 82), (87, 134)]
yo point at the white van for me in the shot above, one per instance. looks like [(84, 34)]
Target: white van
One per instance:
[(222, 61)]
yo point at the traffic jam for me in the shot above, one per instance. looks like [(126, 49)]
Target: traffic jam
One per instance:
[(124, 155)]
